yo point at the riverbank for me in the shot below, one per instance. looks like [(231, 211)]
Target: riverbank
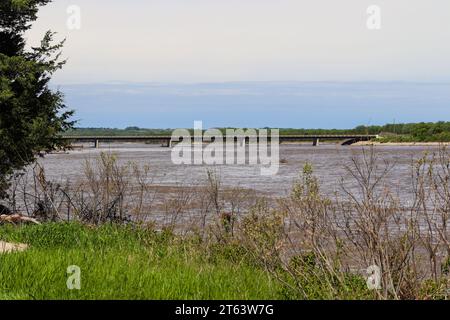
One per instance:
[(401, 144)]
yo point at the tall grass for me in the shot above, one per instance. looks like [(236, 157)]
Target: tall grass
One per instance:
[(119, 262)]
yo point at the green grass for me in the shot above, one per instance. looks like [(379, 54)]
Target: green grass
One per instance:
[(123, 263)]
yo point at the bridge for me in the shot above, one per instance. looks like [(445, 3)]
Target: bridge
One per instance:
[(167, 141)]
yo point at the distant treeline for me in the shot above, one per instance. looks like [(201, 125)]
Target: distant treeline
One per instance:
[(397, 132), (394, 132), (130, 131)]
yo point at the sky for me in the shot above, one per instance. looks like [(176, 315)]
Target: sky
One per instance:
[(283, 63)]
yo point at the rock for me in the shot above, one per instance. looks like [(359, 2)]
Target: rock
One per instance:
[(6, 247)]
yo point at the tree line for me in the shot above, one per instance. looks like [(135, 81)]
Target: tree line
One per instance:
[(423, 131)]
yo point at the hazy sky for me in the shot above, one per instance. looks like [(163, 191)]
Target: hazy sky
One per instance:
[(258, 104), (203, 41), (235, 40)]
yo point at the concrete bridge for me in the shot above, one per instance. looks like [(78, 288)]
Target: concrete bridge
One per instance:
[(166, 141)]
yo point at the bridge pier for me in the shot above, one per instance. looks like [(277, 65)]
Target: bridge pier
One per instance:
[(316, 142), (96, 144), (167, 143)]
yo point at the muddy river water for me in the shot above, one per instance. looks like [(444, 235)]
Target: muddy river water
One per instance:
[(328, 162)]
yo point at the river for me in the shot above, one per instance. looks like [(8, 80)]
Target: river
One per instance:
[(328, 161)]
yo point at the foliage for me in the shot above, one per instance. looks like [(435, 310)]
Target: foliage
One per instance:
[(31, 114), (130, 131)]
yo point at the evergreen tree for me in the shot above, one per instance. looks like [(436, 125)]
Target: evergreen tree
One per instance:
[(31, 114)]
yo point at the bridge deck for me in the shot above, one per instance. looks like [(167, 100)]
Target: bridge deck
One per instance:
[(281, 137), (167, 140)]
